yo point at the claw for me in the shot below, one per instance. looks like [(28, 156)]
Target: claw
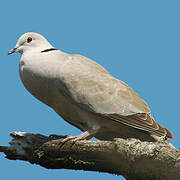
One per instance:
[(85, 135)]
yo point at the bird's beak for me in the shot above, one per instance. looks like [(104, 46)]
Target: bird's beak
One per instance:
[(12, 51)]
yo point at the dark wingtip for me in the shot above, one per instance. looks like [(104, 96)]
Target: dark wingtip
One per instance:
[(169, 134)]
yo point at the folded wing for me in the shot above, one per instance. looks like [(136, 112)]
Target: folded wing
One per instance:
[(94, 89)]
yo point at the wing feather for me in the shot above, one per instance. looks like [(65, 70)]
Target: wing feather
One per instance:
[(90, 84), (142, 121)]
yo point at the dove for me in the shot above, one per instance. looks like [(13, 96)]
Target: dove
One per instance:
[(84, 93)]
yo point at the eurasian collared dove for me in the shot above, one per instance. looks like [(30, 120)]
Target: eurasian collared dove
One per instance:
[(84, 93)]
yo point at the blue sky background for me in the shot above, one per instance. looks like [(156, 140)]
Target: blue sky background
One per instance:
[(137, 41)]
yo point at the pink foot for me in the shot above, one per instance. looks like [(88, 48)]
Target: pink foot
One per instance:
[(85, 135)]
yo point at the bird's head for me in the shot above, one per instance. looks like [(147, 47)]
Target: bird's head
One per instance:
[(28, 41)]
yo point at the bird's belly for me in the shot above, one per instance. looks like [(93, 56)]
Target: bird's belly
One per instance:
[(75, 115)]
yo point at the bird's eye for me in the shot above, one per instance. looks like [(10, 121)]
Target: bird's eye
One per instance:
[(29, 39)]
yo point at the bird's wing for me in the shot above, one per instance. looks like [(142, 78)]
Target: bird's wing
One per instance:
[(90, 84), (93, 88)]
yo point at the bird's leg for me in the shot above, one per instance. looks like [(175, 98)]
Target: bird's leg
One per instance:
[(85, 135)]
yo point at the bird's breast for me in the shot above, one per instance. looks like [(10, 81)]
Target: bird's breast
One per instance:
[(38, 81)]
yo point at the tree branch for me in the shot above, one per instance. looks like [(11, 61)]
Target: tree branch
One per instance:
[(133, 159)]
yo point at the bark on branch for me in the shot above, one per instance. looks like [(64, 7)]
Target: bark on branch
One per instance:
[(133, 159)]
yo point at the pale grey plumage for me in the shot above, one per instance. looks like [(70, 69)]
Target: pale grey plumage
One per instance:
[(84, 93)]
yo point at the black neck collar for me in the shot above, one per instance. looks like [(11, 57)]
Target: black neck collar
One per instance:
[(47, 50)]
